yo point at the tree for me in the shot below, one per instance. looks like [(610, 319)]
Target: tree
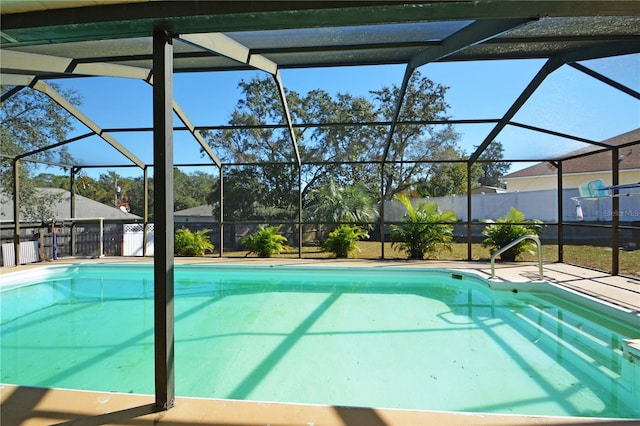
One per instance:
[(339, 143), (30, 120), (191, 190), (245, 196), (493, 170), (448, 177), (348, 155), (272, 148), (338, 204), (50, 180), (413, 144)]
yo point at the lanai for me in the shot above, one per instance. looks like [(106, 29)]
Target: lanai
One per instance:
[(150, 41)]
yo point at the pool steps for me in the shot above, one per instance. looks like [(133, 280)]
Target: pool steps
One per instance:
[(593, 360), (631, 350), (586, 352)]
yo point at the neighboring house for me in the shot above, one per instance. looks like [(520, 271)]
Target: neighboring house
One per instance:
[(488, 190), (581, 170), (199, 214), (85, 207)]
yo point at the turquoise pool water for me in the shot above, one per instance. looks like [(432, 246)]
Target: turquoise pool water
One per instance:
[(379, 337)]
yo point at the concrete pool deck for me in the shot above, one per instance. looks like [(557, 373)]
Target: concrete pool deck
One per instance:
[(36, 406)]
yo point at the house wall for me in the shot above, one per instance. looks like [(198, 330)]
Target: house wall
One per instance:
[(536, 183)]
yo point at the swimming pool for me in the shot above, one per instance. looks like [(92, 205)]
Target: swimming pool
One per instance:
[(377, 337)]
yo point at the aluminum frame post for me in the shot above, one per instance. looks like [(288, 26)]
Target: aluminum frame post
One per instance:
[(221, 213), (469, 203), (16, 211), (163, 272), (72, 207), (145, 209), (300, 230), (560, 172), (615, 212), (382, 210)]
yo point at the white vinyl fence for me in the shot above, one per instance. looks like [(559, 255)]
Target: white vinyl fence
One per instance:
[(28, 253), (133, 238), (542, 205)]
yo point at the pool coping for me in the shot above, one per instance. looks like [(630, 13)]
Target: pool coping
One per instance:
[(23, 405)]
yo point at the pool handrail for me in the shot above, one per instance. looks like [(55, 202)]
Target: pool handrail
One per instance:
[(513, 243)]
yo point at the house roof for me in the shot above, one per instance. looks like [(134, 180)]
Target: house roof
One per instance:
[(204, 210), (580, 162), (85, 207)]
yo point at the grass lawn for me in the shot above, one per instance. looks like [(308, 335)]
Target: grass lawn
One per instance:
[(588, 256)]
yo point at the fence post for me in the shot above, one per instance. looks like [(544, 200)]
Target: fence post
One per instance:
[(101, 237)]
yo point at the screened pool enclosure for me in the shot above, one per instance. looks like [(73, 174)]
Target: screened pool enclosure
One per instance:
[(532, 68)]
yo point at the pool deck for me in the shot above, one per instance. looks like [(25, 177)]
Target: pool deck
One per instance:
[(21, 405)]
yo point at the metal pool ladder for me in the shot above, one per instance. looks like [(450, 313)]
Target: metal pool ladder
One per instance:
[(534, 238)]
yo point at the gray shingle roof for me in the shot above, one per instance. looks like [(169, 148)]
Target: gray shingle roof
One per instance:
[(85, 207), (199, 211)]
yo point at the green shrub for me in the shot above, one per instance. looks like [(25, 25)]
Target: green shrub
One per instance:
[(189, 243), (265, 242), (507, 229), (343, 240), (422, 234)]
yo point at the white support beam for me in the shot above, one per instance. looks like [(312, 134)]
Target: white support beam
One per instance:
[(262, 63), (223, 45), (30, 62), (111, 70), (20, 61), (220, 44), (16, 79)]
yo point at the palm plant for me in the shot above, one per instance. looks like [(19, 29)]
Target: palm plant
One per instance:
[(189, 243), (265, 242), (342, 240), (507, 229), (423, 232), (340, 204)]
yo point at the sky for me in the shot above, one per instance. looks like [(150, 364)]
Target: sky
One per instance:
[(568, 101)]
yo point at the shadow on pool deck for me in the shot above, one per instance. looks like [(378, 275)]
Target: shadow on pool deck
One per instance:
[(21, 405), (36, 406)]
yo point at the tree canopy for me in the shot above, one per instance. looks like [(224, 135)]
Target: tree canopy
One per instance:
[(331, 149), (342, 141), (30, 120)]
